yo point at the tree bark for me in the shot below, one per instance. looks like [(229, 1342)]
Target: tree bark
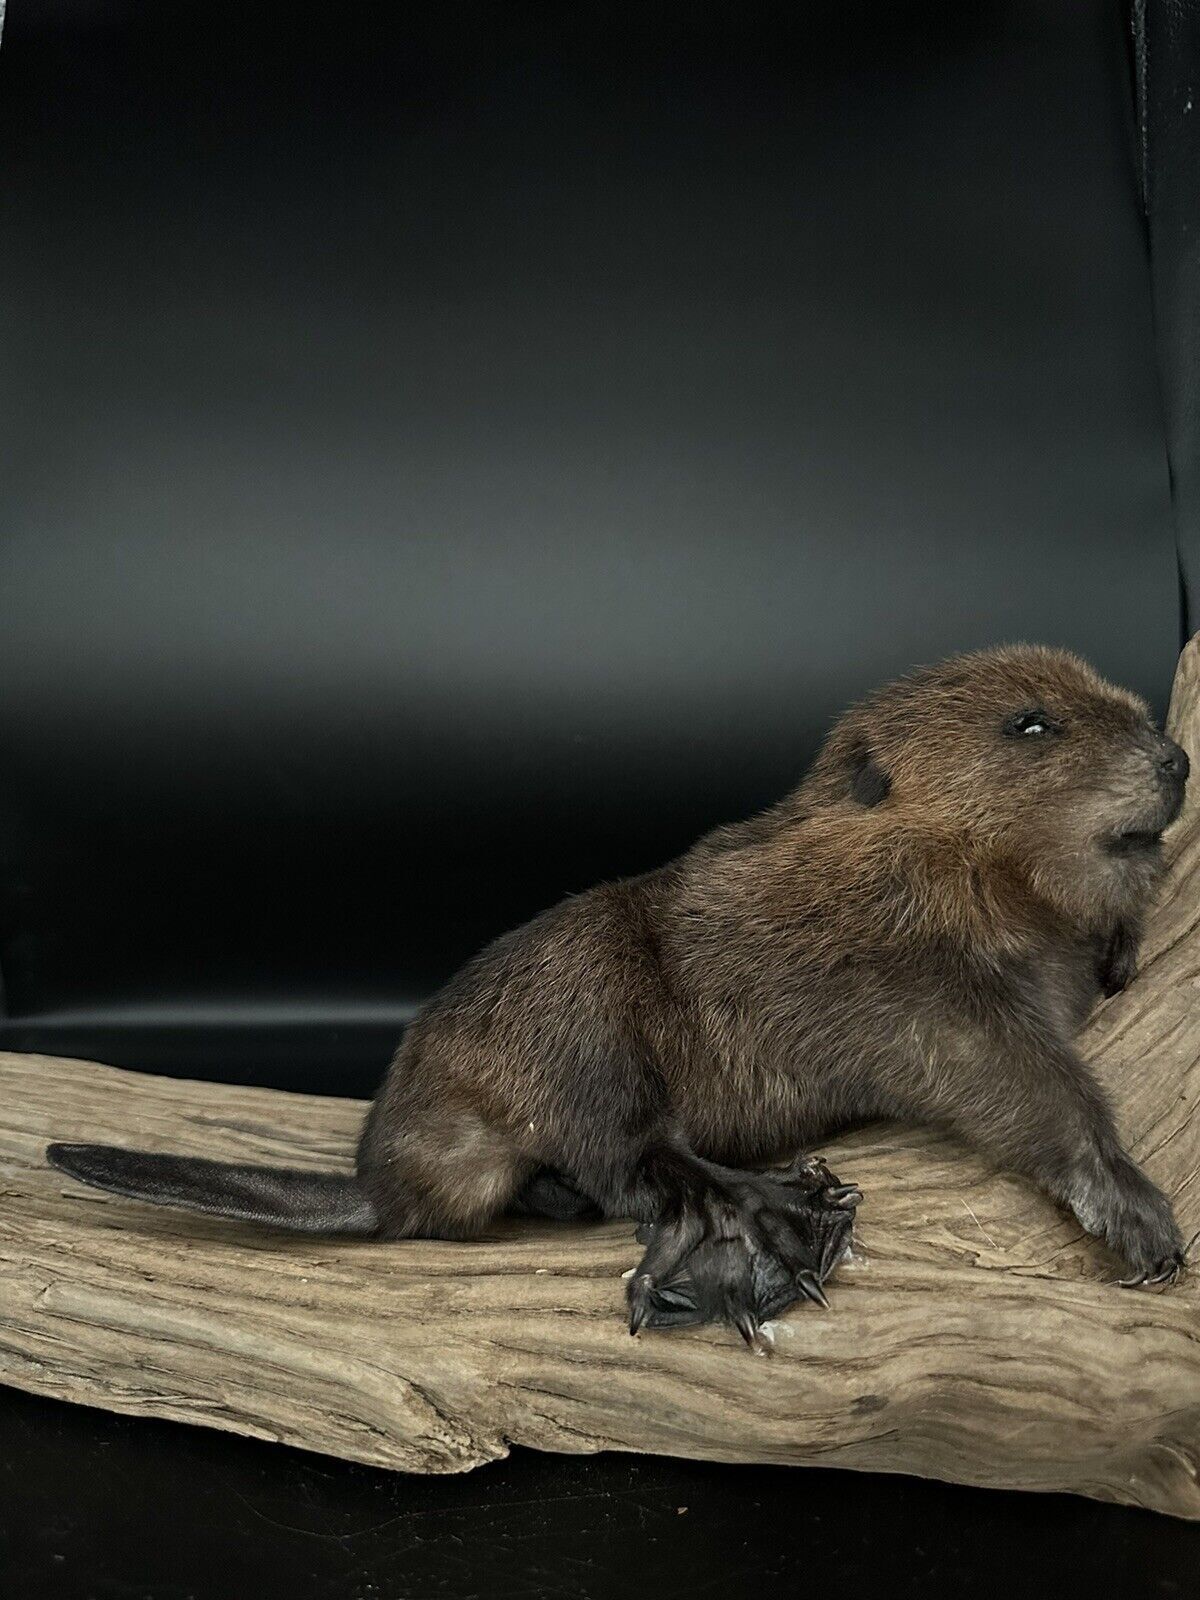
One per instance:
[(979, 1340)]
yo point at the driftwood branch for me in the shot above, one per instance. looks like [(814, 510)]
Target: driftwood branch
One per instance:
[(978, 1341)]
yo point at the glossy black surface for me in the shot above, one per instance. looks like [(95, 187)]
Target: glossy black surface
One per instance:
[(455, 454), (161, 1512), (1166, 40)]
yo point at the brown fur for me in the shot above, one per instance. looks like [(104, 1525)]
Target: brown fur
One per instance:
[(917, 931)]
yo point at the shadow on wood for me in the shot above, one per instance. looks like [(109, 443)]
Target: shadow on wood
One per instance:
[(980, 1340)]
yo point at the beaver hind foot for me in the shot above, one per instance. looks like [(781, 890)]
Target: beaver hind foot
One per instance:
[(744, 1250)]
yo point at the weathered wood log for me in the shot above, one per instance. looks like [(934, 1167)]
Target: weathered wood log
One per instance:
[(980, 1340)]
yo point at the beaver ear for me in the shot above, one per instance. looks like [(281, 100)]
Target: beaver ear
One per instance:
[(869, 783)]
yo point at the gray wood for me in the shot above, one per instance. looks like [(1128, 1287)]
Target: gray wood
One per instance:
[(978, 1339)]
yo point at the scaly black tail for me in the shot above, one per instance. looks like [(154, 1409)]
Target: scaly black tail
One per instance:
[(279, 1197)]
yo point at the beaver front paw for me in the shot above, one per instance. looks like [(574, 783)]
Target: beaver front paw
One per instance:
[(744, 1250), (1119, 1204)]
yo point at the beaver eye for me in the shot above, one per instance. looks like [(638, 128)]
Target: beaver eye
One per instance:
[(1027, 724)]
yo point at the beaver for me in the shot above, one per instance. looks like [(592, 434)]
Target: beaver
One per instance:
[(917, 931)]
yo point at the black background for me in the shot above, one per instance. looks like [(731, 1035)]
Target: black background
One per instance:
[(452, 456), (456, 454), (125, 1508)]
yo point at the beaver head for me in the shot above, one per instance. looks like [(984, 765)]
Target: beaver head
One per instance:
[(1058, 773)]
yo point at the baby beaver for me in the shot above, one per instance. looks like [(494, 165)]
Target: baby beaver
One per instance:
[(916, 932)]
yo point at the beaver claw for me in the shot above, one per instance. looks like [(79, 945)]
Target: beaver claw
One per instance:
[(1167, 1272), (746, 1249)]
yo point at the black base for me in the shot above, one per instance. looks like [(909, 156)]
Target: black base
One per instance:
[(94, 1506)]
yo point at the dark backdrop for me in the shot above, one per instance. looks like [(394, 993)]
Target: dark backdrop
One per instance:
[(453, 454)]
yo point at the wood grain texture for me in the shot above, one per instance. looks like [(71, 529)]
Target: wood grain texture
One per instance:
[(978, 1340)]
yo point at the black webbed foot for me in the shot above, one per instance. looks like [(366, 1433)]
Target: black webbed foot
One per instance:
[(743, 1250)]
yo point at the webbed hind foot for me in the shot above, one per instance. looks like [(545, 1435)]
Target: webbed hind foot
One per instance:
[(743, 1249)]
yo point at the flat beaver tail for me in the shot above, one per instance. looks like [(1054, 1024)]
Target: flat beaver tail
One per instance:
[(277, 1197)]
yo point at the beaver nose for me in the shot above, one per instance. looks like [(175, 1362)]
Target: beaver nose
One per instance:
[(1174, 761)]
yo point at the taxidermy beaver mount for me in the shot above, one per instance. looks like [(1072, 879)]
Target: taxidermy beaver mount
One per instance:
[(917, 932)]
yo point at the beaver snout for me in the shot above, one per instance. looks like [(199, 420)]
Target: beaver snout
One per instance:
[(1172, 767), (1173, 761), (1163, 800)]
